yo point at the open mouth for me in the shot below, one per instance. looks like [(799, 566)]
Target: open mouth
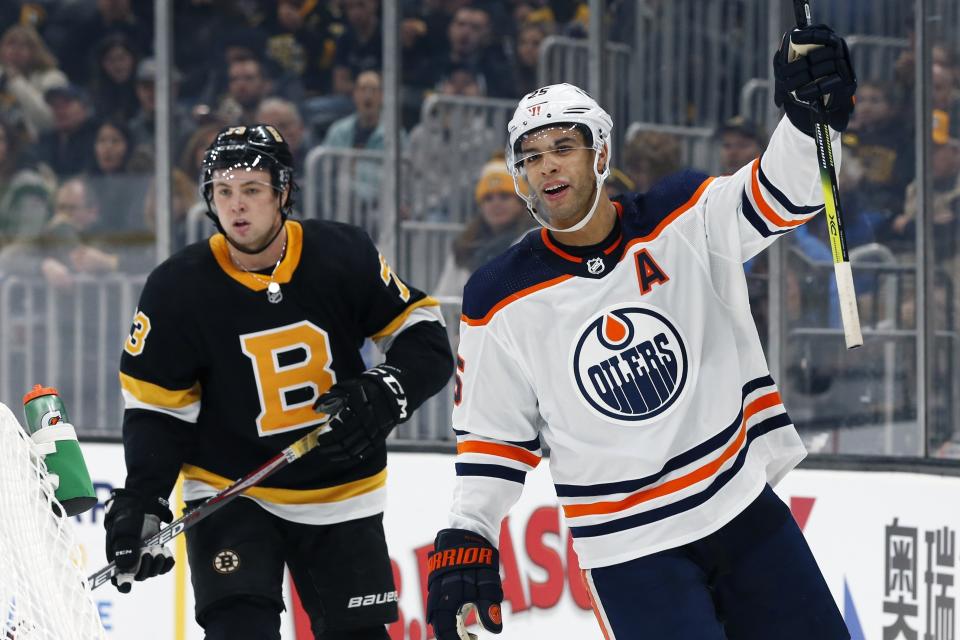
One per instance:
[(555, 191)]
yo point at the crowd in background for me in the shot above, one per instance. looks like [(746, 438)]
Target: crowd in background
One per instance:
[(77, 97), (77, 117)]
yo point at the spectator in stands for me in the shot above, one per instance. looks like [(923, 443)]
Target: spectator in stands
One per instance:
[(945, 175), (570, 17), (65, 246), (67, 147), (27, 70), (76, 28), (466, 49), (501, 221), (192, 156), (461, 81), (285, 116), (248, 86), (302, 42), (649, 156), (527, 58), (362, 129), (945, 94), (120, 182), (143, 124), (113, 81), (741, 141), (904, 70), (359, 47), (878, 159), (25, 188)]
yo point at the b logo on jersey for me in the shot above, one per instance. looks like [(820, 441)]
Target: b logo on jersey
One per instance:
[(630, 363)]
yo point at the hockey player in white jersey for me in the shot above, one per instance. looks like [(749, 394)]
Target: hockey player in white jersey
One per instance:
[(620, 336)]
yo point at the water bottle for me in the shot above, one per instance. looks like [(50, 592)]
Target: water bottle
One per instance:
[(55, 438)]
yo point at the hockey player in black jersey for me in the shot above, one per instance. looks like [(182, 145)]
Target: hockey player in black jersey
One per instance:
[(234, 342)]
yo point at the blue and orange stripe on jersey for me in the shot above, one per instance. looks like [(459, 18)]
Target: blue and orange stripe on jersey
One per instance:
[(762, 214), (510, 276), (714, 455), (503, 459)]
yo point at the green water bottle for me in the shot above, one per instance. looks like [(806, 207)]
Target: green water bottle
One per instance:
[(55, 438)]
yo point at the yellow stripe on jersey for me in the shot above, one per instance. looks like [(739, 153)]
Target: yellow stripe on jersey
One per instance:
[(221, 251), (336, 493), (155, 395), (397, 322)]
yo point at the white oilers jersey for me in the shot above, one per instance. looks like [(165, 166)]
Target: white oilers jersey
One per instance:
[(636, 361)]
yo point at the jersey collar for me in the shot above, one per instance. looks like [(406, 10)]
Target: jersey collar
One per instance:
[(594, 261), (284, 273)]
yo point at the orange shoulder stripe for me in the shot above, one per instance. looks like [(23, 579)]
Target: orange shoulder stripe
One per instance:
[(476, 322), (676, 213), (677, 484), (502, 450), (765, 208)]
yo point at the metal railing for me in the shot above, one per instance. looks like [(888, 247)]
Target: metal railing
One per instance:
[(863, 401), (698, 145), (71, 339), (690, 58), (565, 59), (343, 185), (456, 136), (68, 338)]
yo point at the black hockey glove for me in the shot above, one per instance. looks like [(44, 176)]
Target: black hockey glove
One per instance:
[(130, 518), (373, 403), (801, 82), (464, 573)]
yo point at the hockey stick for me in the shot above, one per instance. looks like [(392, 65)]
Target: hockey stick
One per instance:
[(289, 455), (831, 197)]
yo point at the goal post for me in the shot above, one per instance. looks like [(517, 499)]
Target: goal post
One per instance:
[(43, 592)]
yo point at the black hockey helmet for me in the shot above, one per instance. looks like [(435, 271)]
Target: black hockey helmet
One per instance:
[(258, 146)]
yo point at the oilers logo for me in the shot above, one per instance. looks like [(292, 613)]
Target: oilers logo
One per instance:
[(630, 364)]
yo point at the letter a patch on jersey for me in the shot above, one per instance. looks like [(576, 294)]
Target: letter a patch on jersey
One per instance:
[(649, 272)]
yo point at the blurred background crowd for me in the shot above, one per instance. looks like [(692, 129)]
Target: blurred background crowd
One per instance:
[(687, 82)]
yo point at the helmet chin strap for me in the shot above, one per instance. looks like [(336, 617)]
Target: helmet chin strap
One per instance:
[(585, 219)]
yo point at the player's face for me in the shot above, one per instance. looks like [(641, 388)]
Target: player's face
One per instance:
[(247, 206), (558, 169)]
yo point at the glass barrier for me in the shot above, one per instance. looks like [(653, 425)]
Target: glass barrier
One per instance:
[(78, 213)]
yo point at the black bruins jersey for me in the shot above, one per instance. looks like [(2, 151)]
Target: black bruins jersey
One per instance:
[(217, 379)]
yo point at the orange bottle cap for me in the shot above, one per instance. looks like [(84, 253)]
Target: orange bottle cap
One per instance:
[(38, 391)]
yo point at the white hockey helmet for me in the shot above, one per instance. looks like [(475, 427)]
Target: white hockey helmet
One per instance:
[(558, 104)]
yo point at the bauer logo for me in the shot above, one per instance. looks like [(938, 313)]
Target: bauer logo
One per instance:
[(630, 364)]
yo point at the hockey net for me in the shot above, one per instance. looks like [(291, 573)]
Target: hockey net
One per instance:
[(43, 592)]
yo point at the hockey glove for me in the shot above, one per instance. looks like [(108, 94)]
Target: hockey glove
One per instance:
[(373, 404), (814, 63), (130, 518), (464, 573)]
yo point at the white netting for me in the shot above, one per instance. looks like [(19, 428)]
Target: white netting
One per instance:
[(43, 592)]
